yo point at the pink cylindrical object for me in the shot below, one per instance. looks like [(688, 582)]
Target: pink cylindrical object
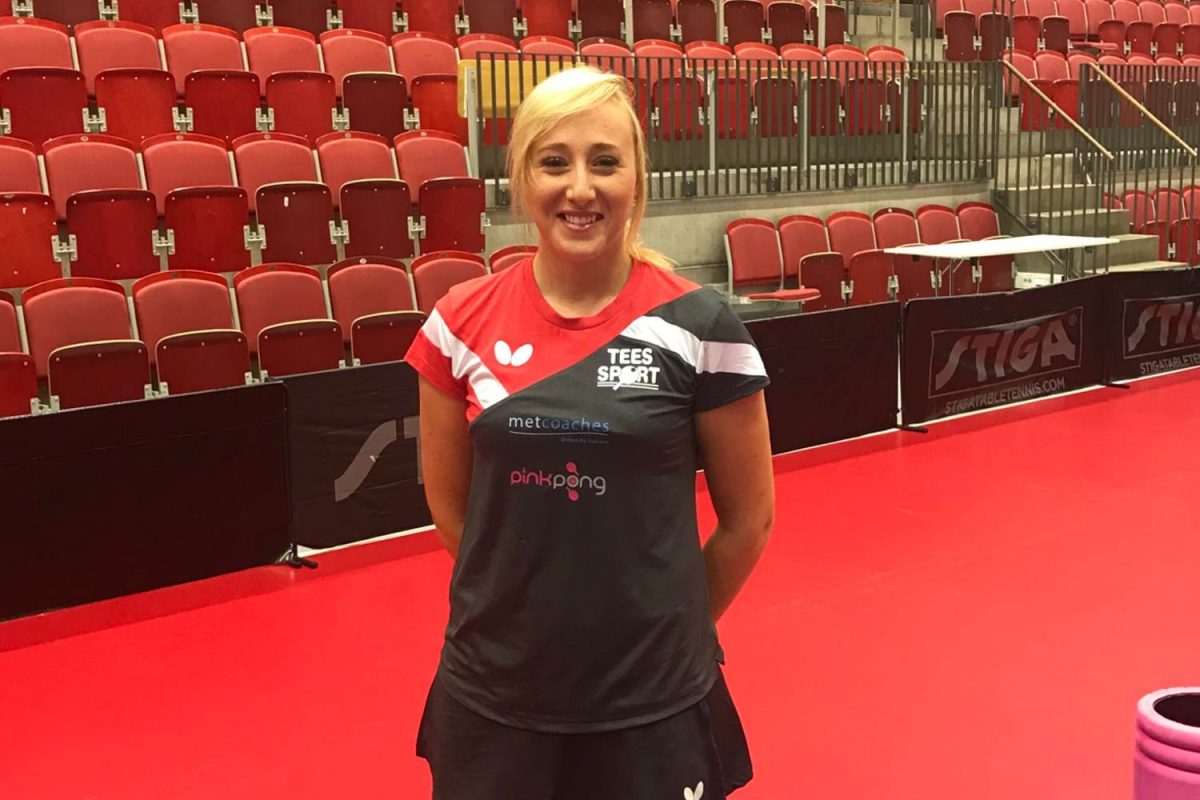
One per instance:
[(1166, 761)]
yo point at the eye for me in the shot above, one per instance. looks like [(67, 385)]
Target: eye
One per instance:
[(608, 162), (553, 162)]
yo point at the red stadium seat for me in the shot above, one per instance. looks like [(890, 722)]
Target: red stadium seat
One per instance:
[(1076, 63), (1177, 13), (994, 31), (311, 16), (194, 46), (1190, 40), (18, 382), (424, 155), (1152, 11), (871, 277), (199, 361), (351, 156), (377, 213), (421, 53), (697, 20), (359, 287), (376, 102), (88, 161), (223, 104), (303, 103), (896, 227), (1097, 11), (452, 211), (787, 22), (27, 226), (439, 17), (182, 301), (18, 166), (276, 49), (1140, 206), (179, 160), (1185, 240), (978, 221), (850, 232), (1026, 33), (43, 103), (835, 23), (652, 19), (115, 44), (510, 256), (29, 42), (296, 220), (845, 62), (1167, 38), (663, 59), (67, 311), (155, 14), (547, 46), (825, 272), (10, 332), (1168, 205), (66, 12), (800, 235), (734, 103), (1056, 34), (293, 348), (209, 226), (377, 16), (483, 44), (754, 259), (265, 158), (960, 36), (435, 273), (497, 17), (97, 373), (239, 15), (824, 106), (271, 294), (547, 17), (1076, 16), (435, 99), (744, 22), (137, 103), (1126, 11), (347, 51), (378, 338), (114, 232), (708, 51), (679, 103), (776, 101), (1139, 37), (600, 18), (938, 225), (944, 7)]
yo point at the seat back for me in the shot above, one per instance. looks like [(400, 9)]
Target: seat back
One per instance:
[(177, 160), (347, 50), (197, 46), (96, 373), (870, 274), (10, 334), (1168, 205), (303, 103), (744, 21), (697, 20), (652, 19), (510, 256), (849, 233), (436, 16), (601, 18), (436, 273), (296, 219), (138, 103), (310, 17), (800, 235), (435, 98), (91, 161), (18, 166), (482, 44), (280, 49), (937, 224), (154, 14), (825, 272), (18, 383), (422, 53), (376, 16), (263, 158), (67, 311), (787, 23), (29, 42), (978, 221), (960, 36), (112, 44), (240, 15), (43, 102), (495, 17), (27, 224), (1140, 206), (1051, 66), (209, 225), (273, 293), (423, 155), (547, 46), (547, 17), (351, 156), (377, 338), (180, 301), (376, 102), (362, 286), (752, 249), (224, 104), (114, 230), (453, 210)]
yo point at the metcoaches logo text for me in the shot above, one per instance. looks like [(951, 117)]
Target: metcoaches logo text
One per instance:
[(975, 358), (1163, 330)]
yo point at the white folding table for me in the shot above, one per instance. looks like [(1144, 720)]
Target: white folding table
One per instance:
[(958, 253)]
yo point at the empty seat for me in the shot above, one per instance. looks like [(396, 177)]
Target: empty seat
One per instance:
[(137, 103), (359, 287), (196, 46), (871, 277), (835, 23), (804, 244), (754, 260), (18, 166), (223, 104), (1168, 205), (179, 160), (283, 314), (376, 102), (743, 21), (18, 381), (452, 212), (800, 235), (209, 228), (697, 20), (978, 221), (28, 223), (171, 303), (600, 18), (850, 232), (1076, 16), (351, 156), (113, 44), (310, 16), (1167, 36), (66, 12), (376, 212), (421, 53), (510, 256), (439, 17), (114, 232), (86, 162), (302, 103), (994, 32), (70, 311), (43, 102), (607, 55), (434, 274), (435, 99), (776, 100), (377, 16), (652, 19), (680, 103), (937, 224), (960, 36), (266, 158), (483, 44), (498, 17), (276, 49), (239, 15), (29, 42), (896, 227), (10, 333), (203, 360), (826, 273), (787, 22), (547, 17), (347, 51), (1056, 34), (547, 46), (155, 14)]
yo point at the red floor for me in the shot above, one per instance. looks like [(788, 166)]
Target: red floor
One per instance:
[(969, 614)]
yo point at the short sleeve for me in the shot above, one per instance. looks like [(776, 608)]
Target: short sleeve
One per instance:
[(429, 355), (729, 367)]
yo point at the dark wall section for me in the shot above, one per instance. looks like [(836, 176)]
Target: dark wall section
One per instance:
[(107, 501)]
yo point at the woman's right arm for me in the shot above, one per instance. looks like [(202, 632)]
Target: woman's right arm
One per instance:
[(445, 462)]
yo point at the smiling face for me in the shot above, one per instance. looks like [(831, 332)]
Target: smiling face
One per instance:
[(583, 185)]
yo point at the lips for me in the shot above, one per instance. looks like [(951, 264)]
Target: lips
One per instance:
[(580, 222)]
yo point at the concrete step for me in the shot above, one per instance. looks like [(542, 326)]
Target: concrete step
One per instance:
[(1129, 248), (1032, 199), (1083, 222), (1146, 265)]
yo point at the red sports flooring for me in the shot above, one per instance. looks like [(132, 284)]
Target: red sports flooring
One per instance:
[(966, 615)]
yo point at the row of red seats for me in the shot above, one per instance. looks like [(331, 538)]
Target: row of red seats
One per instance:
[(842, 257), (186, 334), (201, 206), (1173, 215)]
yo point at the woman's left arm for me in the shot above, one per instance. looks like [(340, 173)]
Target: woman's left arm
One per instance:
[(736, 447)]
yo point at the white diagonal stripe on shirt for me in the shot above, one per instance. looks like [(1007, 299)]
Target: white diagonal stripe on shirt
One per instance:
[(464, 362), (733, 357)]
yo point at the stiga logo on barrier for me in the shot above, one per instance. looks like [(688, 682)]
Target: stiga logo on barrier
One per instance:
[(978, 358), (1163, 327)]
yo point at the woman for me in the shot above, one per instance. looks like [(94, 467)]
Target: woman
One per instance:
[(564, 403)]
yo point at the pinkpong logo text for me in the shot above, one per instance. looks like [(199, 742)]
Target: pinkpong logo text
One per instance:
[(571, 480)]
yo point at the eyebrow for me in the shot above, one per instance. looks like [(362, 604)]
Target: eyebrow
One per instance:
[(564, 146)]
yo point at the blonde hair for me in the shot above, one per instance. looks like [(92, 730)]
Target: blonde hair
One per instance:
[(557, 98)]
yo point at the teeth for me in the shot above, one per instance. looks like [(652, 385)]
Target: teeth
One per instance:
[(576, 219)]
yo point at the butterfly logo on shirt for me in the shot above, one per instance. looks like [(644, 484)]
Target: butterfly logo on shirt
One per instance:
[(694, 794), (512, 358)]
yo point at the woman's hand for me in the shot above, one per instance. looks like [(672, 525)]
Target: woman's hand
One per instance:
[(445, 462), (736, 447)]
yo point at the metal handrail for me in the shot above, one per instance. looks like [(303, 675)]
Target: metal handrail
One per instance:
[(1064, 115), (1145, 111)]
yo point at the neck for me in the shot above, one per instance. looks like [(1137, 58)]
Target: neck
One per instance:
[(580, 289)]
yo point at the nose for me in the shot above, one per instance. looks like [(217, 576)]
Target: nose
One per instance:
[(580, 189)]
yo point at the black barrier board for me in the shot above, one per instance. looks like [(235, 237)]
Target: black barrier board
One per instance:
[(833, 373), (1153, 322), (354, 465), (980, 351), (107, 501)]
